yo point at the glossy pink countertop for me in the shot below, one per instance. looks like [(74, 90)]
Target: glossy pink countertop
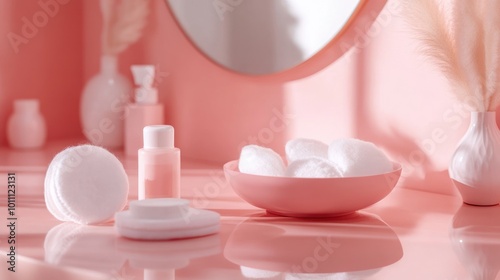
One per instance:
[(408, 235)]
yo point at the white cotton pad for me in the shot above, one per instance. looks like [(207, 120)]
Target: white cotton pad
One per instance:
[(261, 161), (358, 158), (254, 273), (74, 245), (165, 218), (302, 148), (85, 184), (315, 167)]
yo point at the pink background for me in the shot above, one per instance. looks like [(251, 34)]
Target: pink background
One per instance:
[(381, 91)]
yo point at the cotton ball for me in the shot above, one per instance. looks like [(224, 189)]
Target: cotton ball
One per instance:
[(302, 148), (358, 158), (254, 273), (261, 161), (313, 168)]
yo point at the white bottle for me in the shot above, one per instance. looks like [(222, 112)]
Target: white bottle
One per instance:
[(144, 111), (159, 164), (26, 128)]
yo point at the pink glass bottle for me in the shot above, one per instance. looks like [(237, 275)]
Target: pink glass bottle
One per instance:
[(159, 163)]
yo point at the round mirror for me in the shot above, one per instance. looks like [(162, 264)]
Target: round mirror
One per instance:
[(261, 37)]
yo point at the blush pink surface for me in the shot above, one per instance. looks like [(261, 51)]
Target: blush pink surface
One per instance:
[(410, 234), (380, 91)]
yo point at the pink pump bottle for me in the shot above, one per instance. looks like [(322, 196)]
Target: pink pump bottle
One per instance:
[(159, 163)]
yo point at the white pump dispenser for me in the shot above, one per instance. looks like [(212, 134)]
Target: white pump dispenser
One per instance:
[(144, 111), (144, 77)]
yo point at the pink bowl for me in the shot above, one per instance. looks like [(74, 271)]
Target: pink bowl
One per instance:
[(311, 197)]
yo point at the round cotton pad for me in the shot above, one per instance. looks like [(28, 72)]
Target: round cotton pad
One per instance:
[(74, 245), (165, 218), (85, 184)]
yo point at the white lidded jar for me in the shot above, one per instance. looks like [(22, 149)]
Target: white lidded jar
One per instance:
[(26, 128), (475, 165)]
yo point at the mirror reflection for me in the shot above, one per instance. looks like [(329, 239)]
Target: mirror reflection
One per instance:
[(261, 36)]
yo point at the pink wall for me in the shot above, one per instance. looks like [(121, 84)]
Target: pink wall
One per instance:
[(381, 91), (47, 64)]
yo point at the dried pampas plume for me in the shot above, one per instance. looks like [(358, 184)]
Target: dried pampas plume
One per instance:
[(464, 43), (123, 23)]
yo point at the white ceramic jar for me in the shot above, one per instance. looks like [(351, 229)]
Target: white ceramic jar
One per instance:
[(26, 128)]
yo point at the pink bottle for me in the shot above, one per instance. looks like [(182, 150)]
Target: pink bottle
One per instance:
[(145, 111), (159, 163)]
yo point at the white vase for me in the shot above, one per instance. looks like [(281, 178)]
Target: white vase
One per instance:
[(26, 128), (102, 107), (475, 165), (474, 236)]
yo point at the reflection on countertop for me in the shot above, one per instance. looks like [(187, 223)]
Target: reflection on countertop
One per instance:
[(98, 248), (350, 247), (475, 235)]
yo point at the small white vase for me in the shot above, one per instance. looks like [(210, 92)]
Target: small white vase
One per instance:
[(475, 165), (102, 107), (26, 128)]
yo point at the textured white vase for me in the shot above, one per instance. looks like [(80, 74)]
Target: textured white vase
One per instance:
[(26, 128), (475, 165), (102, 105)]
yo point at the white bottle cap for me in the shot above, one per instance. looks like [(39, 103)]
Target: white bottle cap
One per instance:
[(158, 136), (144, 76)]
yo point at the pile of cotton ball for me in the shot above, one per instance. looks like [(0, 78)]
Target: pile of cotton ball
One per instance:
[(310, 158)]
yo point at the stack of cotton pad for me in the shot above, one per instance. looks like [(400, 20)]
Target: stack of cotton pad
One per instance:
[(308, 158), (165, 218), (85, 184)]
